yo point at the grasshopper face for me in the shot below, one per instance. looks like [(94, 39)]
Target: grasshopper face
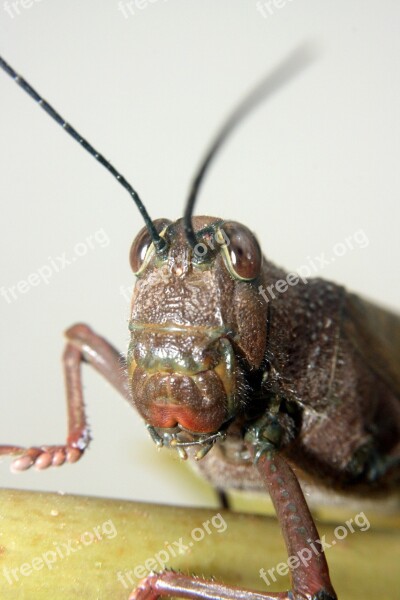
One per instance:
[(196, 328)]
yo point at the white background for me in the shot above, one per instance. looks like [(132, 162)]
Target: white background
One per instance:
[(313, 165)]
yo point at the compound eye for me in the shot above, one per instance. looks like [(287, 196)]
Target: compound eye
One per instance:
[(142, 243), (242, 252)]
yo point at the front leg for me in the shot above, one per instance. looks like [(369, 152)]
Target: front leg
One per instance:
[(83, 345), (171, 584), (310, 578), (306, 559)]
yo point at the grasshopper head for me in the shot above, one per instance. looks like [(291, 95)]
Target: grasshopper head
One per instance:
[(189, 349)]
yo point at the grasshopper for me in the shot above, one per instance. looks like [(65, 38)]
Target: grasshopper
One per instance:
[(246, 388)]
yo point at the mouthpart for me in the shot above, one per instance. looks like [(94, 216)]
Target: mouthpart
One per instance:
[(180, 439)]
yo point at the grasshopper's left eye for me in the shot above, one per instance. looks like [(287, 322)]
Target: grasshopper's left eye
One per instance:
[(242, 252), (142, 243)]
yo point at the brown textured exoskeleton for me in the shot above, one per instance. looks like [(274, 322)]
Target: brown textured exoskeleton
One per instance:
[(245, 387)]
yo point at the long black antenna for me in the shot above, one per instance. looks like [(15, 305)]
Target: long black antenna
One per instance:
[(284, 72), (158, 241)]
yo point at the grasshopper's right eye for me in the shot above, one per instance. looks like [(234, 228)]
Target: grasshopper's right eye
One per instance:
[(142, 246), (242, 252)]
